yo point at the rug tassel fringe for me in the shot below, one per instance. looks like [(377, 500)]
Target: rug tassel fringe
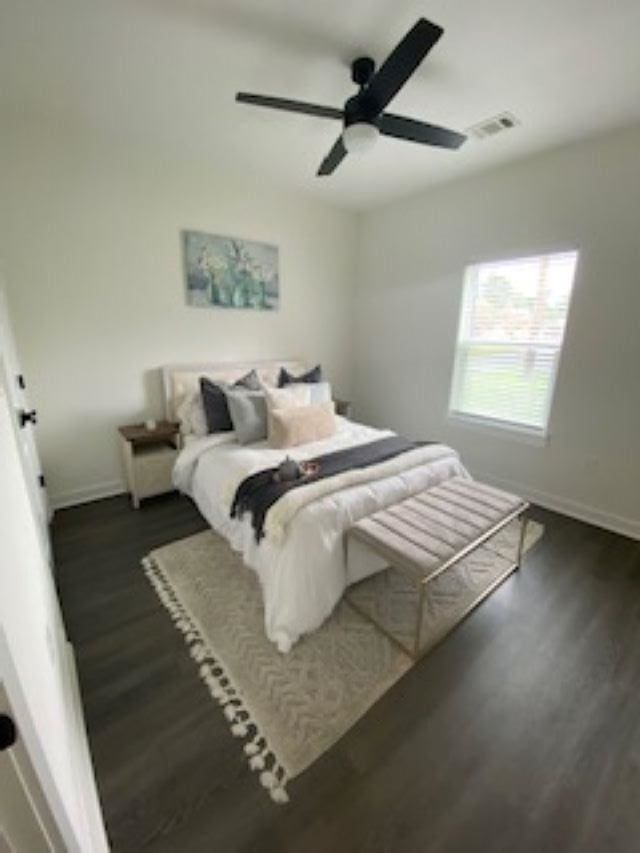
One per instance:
[(253, 746), (260, 758)]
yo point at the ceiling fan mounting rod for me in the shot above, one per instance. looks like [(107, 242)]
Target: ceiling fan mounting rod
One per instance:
[(362, 70)]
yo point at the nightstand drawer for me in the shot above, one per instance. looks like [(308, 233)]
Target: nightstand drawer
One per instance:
[(152, 471)]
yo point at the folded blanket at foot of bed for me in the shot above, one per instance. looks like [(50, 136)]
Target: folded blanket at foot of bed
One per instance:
[(257, 493)]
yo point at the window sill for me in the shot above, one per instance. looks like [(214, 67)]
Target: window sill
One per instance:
[(501, 429)]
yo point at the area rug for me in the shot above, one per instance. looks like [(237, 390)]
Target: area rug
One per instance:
[(289, 709)]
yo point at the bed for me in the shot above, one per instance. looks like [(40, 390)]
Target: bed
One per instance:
[(302, 563)]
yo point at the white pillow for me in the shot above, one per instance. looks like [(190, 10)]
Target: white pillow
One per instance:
[(291, 397), (190, 414), (320, 391)]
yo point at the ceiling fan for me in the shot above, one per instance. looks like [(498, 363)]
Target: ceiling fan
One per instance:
[(363, 114)]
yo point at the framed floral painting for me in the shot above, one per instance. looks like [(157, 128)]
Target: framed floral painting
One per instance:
[(230, 272)]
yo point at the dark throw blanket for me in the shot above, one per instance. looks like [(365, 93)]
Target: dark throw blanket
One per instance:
[(257, 493)]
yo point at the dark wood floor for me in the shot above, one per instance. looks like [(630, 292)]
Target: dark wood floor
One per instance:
[(521, 732)]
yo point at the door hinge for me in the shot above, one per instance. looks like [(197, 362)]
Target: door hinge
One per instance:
[(42, 481)]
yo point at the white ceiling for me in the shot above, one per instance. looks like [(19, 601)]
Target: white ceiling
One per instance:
[(165, 72)]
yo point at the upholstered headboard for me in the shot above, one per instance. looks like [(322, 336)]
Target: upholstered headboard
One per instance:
[(179, 379)]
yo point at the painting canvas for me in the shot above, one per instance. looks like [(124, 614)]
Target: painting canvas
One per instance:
[(229, 272)]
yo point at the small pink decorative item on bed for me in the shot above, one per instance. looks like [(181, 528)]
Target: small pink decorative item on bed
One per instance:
[(301, 425)]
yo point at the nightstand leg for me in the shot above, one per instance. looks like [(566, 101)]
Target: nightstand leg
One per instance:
[(127, 458)]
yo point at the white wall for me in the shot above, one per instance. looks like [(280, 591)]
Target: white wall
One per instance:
[(90, 236), (412, 258)]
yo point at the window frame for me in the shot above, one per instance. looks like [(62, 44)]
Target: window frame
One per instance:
[(500, 427)]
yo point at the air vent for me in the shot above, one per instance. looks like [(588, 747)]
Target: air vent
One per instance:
[(493, 126)]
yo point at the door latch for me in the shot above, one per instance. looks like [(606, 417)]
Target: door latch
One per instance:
[(27, 417), (8, 732)]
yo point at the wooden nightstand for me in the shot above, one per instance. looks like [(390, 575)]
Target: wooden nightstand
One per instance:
[(343, 408), (148, 457)]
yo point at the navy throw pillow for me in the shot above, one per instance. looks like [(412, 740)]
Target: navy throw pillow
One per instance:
[(214, 401), (286, 378)]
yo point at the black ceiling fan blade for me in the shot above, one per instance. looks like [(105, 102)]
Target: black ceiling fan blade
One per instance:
[(400, 64), (289, 105), (419, 131), (333, 158)]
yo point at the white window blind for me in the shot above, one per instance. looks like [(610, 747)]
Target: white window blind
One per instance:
[(512, 324)]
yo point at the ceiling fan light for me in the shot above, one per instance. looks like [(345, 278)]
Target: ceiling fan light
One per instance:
[(359, 137)]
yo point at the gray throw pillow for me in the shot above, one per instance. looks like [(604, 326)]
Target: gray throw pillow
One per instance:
[(248, 410), (250, 381)]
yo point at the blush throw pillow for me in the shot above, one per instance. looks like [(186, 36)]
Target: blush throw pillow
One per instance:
[(291, 397), (301, 425)]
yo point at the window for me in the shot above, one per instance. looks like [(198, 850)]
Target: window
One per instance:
[(510, 336)]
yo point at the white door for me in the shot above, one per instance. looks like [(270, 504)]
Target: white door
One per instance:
[(26, 823), (25, 418), (20, 828), (37, 668)]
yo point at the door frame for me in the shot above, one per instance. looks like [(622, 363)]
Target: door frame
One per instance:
[(18, 398), (78, 821)]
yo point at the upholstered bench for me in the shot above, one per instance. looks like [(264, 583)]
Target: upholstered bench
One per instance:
[(431, 532)]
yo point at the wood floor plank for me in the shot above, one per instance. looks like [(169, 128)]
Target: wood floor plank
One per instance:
[(520, 732)]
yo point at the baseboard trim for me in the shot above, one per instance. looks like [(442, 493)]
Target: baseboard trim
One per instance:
[(89, 493), (566, 506)]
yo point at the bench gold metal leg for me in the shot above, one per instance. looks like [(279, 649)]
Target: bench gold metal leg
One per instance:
[(416, 645), (523, 529)]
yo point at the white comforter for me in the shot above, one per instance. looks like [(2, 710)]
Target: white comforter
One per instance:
[(301, 561)]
